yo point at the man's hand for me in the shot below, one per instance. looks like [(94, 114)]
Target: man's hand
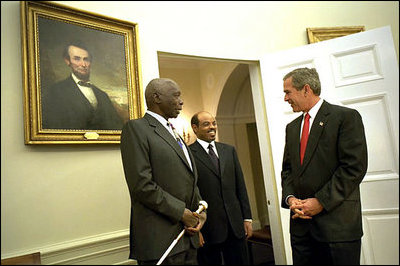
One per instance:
[(202, 217), (189, 218), (248, 229), (191, 230), (296, 207), (311, 206), (201, 240), (306, 208)]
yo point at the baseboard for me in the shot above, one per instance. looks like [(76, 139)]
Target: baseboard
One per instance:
[(105, 249)]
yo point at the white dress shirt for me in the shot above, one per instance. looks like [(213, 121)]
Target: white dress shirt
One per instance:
[(87, 91), (205, 145), (313, 112)]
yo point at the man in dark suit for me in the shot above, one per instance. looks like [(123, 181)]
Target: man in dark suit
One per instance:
[(222, 186), (325, 160), (75, 103), (162, 179)]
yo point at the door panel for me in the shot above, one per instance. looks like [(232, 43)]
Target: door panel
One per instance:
[(359, 71)]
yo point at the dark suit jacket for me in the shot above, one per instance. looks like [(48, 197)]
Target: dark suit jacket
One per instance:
[(224, 192), (65, 107), (334, 165), (161, 184)]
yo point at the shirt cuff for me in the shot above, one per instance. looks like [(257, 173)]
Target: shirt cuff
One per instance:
[(248, 220), (287, 198)]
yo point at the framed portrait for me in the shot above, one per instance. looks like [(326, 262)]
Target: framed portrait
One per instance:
[(81, 75), (326, 33)]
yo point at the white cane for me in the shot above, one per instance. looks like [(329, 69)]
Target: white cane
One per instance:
[(202, 207)]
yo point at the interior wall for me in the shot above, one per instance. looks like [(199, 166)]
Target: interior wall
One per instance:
[(54, 194), (201, 83), (190, 84)]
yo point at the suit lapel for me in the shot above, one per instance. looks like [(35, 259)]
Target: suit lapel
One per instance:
[(203, 156), (167, 137), (295, 135), (222, 157), (316, 131), (193, 163)]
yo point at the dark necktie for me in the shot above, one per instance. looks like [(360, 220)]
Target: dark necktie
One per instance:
[(178, 139), (86, 84), (304, 137), (213, 157)]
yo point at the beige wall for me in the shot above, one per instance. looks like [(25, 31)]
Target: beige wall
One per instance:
[(189, 81), (54, 194), (201, 86)]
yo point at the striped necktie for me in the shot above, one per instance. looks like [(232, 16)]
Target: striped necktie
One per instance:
[(178, 139)]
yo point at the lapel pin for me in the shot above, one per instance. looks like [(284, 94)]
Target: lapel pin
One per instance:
[(321, 123)]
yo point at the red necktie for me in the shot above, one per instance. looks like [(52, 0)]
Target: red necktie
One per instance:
[(304, 137)]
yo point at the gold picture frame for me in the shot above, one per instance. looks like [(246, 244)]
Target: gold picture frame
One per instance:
[(327, 33), (58, 41)]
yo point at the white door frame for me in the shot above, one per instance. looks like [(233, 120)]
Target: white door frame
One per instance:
[(278, 243)]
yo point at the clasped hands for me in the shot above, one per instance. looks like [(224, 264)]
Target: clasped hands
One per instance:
[(306, 208), (193, 221)]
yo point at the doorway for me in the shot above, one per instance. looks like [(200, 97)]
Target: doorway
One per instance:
[(223, 88)]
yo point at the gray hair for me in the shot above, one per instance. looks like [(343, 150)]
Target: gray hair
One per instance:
[(303, 76)]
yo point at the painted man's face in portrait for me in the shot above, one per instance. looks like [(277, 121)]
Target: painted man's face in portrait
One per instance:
[(79, 61)]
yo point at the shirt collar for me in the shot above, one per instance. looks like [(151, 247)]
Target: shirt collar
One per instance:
[(160, 118), (205, 144), (314, 110)]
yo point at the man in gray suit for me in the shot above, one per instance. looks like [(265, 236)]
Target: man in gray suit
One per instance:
[(162, 179), (325, 160)]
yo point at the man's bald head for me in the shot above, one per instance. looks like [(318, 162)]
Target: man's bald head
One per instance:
[(163, 97)]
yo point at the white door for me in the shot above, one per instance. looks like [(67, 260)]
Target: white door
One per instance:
[(359, 71)]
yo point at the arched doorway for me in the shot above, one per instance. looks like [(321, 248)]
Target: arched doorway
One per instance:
[(237, 126), (222, 87)]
